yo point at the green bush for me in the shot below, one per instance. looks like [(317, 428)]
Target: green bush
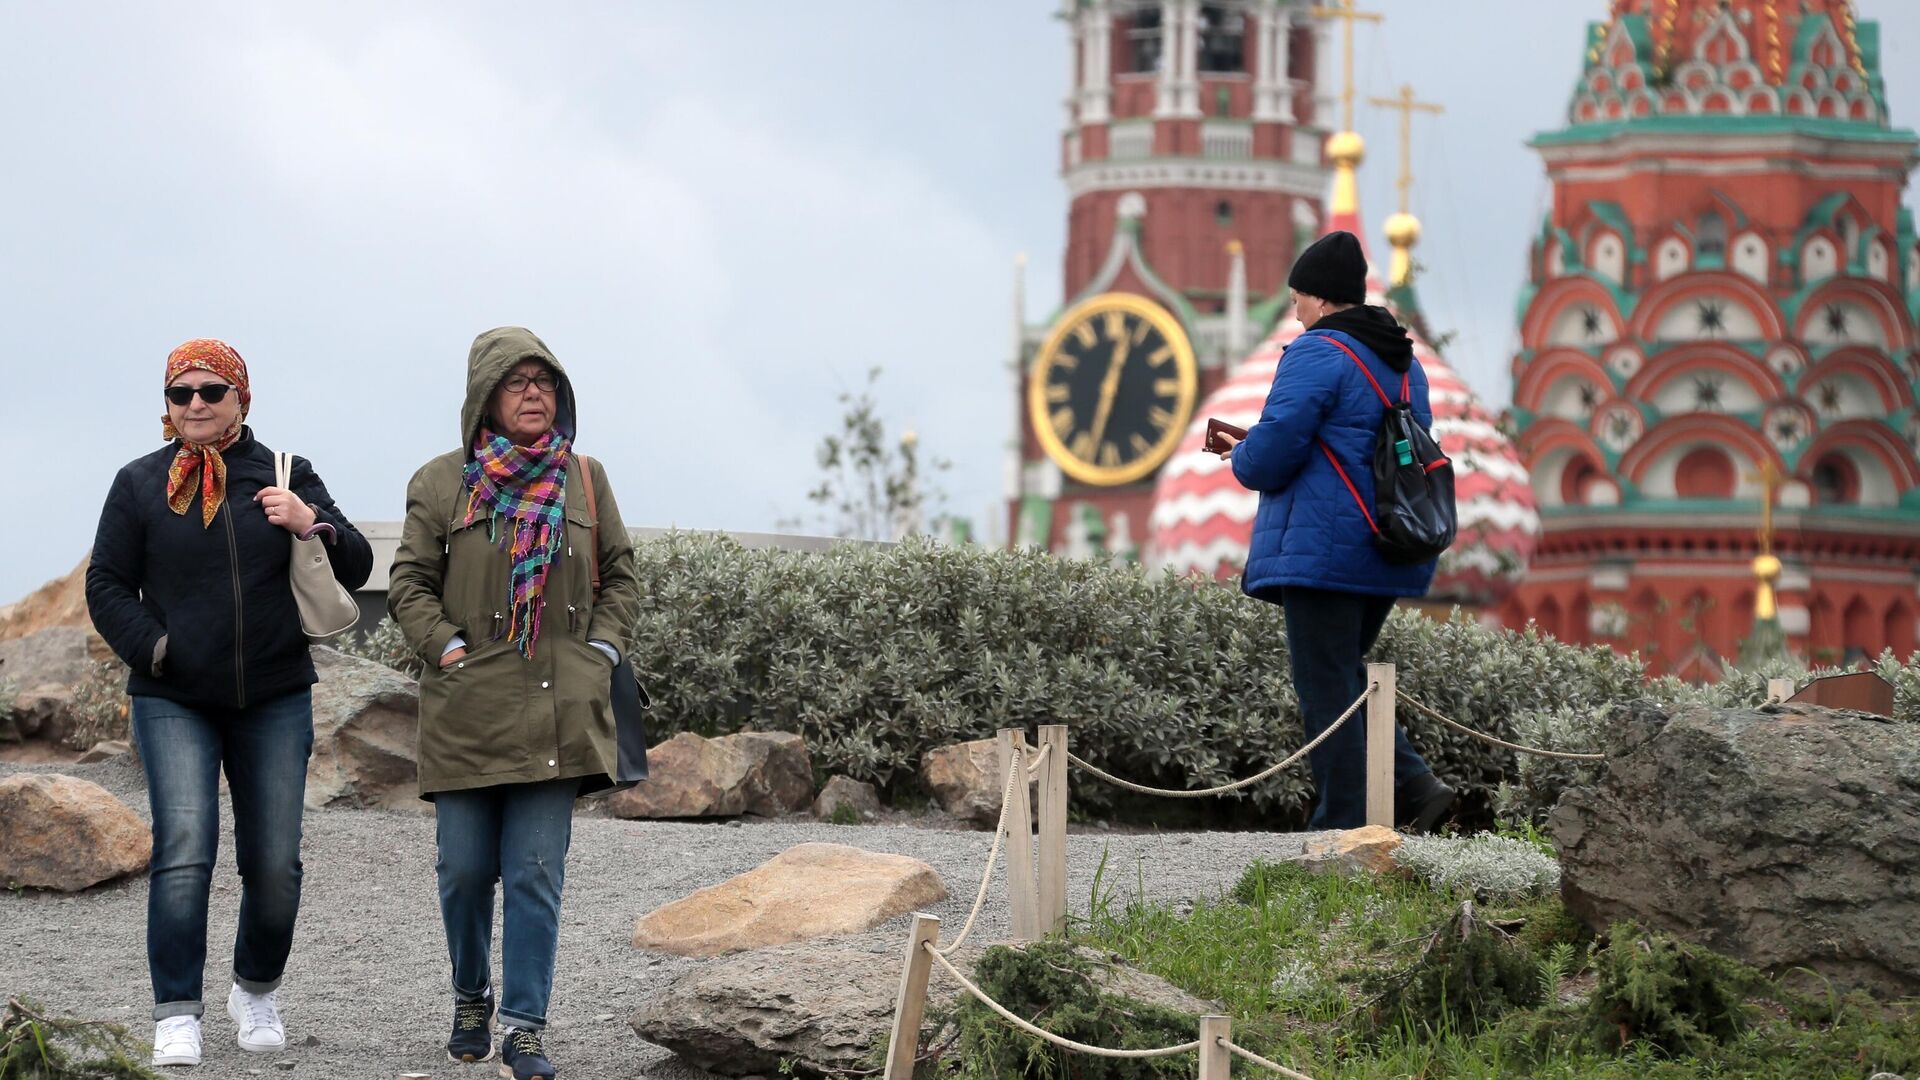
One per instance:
[(37, 1046), (877, 654), (1054, 985)]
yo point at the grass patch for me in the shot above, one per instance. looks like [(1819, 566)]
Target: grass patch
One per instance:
[(1372, 977)]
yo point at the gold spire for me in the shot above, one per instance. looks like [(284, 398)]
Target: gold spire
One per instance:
[(1403, 229), (1766, 565), (1346, 148)]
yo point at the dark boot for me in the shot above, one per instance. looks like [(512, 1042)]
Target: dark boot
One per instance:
[(1421, 803)]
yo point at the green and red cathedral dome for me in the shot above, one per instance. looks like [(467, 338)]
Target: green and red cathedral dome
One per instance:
[(1721, 312)]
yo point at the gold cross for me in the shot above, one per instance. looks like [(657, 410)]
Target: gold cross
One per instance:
[(1405, 105), (1345, 11)]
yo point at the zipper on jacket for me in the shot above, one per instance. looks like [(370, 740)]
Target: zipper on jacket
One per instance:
[(239, 619)]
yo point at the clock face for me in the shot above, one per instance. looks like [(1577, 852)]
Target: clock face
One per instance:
[(1112, 389)]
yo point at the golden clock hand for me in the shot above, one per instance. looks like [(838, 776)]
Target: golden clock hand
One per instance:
[(1109, 387)]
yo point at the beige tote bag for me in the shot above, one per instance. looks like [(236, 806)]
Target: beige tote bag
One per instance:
[(326, 607)]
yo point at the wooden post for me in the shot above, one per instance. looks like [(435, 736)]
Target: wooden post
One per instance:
[(1025, 914), (910, 1004), (1780, 690), (1380, 708), (1215, 1062), (1053, 830)]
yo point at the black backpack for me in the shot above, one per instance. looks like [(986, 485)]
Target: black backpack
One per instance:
[(1412, 517)]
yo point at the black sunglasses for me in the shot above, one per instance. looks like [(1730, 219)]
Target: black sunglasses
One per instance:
[(212, 393)]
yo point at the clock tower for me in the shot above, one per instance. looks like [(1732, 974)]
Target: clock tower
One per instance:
[(1194, 167)]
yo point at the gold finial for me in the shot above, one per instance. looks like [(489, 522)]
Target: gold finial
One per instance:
[(1348, 13), (1403, 229), (1766, 565), (1234, 247)]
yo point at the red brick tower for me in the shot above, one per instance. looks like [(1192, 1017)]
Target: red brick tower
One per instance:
[(1721, 315), (1193, 166)]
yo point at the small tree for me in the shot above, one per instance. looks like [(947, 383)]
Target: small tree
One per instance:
[(871, 488)]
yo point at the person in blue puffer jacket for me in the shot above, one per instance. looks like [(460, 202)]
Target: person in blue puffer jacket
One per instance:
[(1313, 551)]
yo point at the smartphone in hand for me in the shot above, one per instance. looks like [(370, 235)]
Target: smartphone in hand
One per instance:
[(1214, 430)]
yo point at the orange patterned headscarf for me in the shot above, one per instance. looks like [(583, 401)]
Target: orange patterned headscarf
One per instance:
[(199, 466)]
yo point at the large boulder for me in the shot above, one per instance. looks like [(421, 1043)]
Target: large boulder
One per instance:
[(48, 712), (1787, 836), (60, 655), (67, 834), (821, 1006), (365, 718), (805, 892), (965, 779), (766, 773), (60, 602)]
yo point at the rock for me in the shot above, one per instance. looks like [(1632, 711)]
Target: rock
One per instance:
[(104, 750), (965, 779), (822, 1006), (365, 717), (1368, 849), (77, 834), (60, 602), (767, 773), (47, 712), (806, 892), (843, 791), (1787, 836), (60, 655)]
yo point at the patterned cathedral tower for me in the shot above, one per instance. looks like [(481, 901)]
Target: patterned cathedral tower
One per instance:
[(1193, 165), (1720, 327)]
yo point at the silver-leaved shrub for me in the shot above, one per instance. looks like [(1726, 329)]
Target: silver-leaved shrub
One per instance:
[(1490, 867)]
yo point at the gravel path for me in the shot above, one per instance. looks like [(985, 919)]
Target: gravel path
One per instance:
[(366, 991)]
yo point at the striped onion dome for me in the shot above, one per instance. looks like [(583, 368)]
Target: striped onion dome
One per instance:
[(1202, 518)]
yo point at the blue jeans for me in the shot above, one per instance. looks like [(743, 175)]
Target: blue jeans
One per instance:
[(517, 835), (264, 749), (1328, 637)]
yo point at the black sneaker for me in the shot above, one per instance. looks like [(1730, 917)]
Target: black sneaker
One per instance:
[(1421, 803), (472, 1038), (521, 1057)]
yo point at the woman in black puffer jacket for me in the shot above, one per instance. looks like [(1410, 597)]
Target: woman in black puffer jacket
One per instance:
[(189, 585)]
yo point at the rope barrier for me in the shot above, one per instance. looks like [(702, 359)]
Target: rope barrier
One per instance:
[(1501, 742), (1065, 1043), (993, 853), (1039, 760), (1247, 1055), (1237, 784)]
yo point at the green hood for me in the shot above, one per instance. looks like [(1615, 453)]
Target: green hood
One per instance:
[(493, 355)]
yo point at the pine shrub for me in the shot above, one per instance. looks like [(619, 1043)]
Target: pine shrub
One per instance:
[(35, 1045)]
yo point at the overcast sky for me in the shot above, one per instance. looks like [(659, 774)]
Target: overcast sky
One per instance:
[(718, 215)]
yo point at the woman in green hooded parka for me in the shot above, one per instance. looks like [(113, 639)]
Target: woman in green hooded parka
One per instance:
[(492, 586)]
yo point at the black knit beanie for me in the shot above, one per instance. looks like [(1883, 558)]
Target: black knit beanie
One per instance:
[(1332, 268)]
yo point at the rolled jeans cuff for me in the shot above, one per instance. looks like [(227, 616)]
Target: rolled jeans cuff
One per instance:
[(178, 1008), (521, 1022), (252, 987)]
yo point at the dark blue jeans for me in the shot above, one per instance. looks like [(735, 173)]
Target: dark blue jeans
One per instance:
[(517, 835), (1328, 637), (264, 749)]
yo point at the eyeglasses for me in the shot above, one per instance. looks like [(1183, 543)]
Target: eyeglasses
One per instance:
[(517, 383), (212, 393)]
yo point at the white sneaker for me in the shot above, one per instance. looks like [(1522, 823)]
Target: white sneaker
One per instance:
[(176, 1041), (259, 1018)]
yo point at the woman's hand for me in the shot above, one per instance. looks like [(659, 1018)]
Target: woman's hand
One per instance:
[(453, 655), (1226, 443), (285, 509)]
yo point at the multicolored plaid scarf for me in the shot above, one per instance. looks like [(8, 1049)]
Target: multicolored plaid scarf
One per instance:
[(199, 466), (525, 489)]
